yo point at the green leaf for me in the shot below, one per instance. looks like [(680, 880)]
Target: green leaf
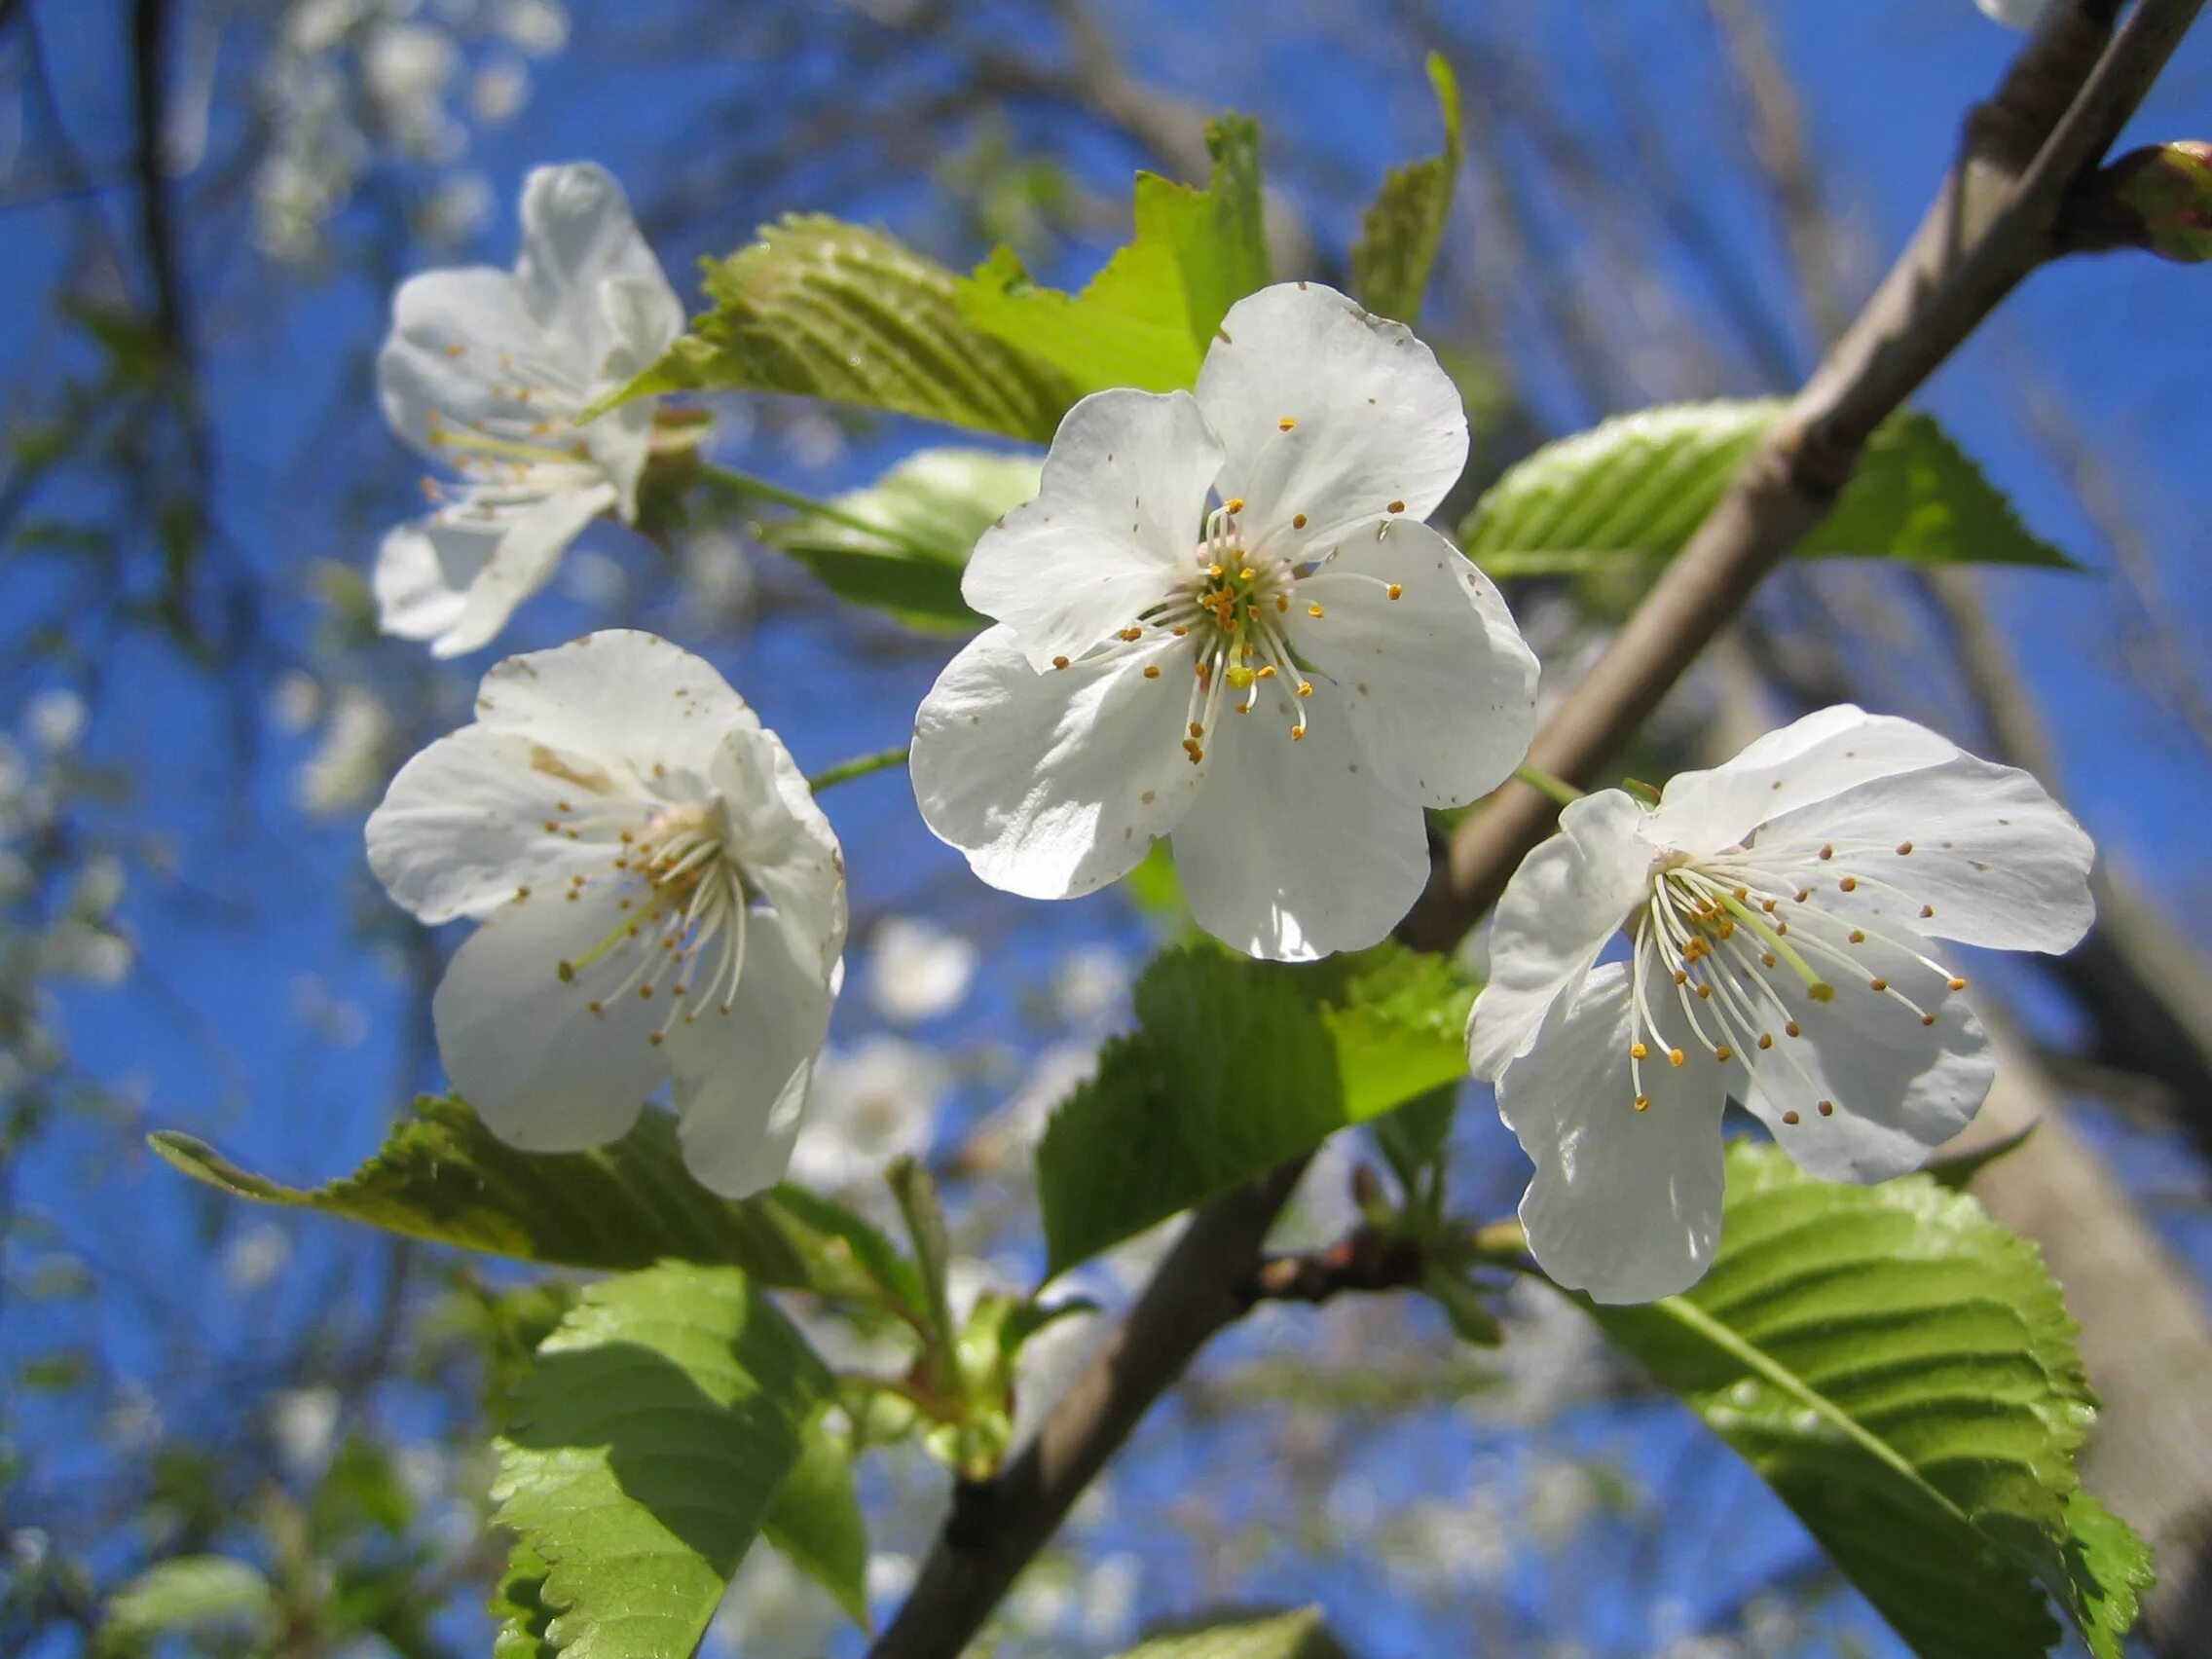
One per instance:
[(1901, 1371), (1260, 1636), (933, 506), (924, 1216), (1400, 231), (443, 1176), (518, 1608), (1236, 1066), (1638, 486), (818, 1524), (822, 309), (1146, 318), (188, 1593), (649, 1445)]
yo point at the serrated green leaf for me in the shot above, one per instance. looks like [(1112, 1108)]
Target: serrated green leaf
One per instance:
[(1638, 486), (818, 1524), (518, 1608), (1901, 1371), (933, 506), (1259, 1636), (443, 1176), (649, 1443), (1146, 318), (822, 309), (1236, 1066), (1400, 231), (188, 1593)]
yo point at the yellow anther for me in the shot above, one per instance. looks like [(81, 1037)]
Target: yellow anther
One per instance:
[(1724, 1053), (1827, 1108), (1827, 851), (1305, 687), (1216, 572), (1282, 602), (1152, 671), (1767, 957), (1637, 1051), (1298, 521), (1766, 1040), (1131, 634), (1315, 610), (1850, 884), (1926, 911), (1704, 990), (1060, 662), (1791, 1119), (1287, 421), (1681, 977), (1792, 1029), (1235, 503), (1928, 1020), (1644, 1102), (1268, 672), (1396, 590), (1675, 1057), (1397, 507), (1247, 574), (1742, 893), (1954, 984), (1179, 632), (456, 350), (1858, 936), (1904, 847)]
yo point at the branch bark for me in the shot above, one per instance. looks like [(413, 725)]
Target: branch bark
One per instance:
[(1994, 221)]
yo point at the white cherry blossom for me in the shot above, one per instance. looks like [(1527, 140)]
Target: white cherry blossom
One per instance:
[(872, 1102), (1223, 619), (1783, 911), (485, 372), (661, 901), (917, 971)]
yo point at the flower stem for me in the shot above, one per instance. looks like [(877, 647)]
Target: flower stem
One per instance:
[(860, 766), (732, 482), (1555, 788)]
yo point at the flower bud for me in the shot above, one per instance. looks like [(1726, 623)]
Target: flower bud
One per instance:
[(2163, 197)]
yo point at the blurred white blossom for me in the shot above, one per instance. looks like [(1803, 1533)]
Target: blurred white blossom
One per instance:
[(871, 1103), (254, 1257), (352, 758), (917, 969)]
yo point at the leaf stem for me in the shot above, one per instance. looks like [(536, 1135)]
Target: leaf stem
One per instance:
[(1557, 788), (860, 766), (732, 482)]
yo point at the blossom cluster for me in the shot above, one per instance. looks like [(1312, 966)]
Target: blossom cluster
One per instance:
[(1223, 622)]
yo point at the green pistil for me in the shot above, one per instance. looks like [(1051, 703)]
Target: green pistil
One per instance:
[(1815, 987)]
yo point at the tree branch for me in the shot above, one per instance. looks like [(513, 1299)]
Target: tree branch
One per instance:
[(1994, 221)]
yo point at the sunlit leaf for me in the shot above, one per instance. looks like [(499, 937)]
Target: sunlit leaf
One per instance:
[(822, 309), (647, 1448), (1400, 231), (1901, 1371), (1638, 486)]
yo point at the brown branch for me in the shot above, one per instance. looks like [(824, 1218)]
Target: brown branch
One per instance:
[(1364, 1259), (1994, 222)]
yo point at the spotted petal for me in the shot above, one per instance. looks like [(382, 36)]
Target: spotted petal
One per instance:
[(1054, 783), (1625, 1204), (520, 1040), (1570, 896), (1441, 686), (1115, 522), (1297, 849), (1330, 417), (629, 701)]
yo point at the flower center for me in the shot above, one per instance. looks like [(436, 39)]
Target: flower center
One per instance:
[(1731, 937), (690, 925)]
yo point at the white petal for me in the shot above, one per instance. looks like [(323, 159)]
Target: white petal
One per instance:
[(1294, 850), (522, 562), (1054, 783), (1570, 896), (2019, 14), (422, 573), (642, 320), (521, 1044), (1441, 686), (576, 235), (463, 825), (1998, 861), (1114, 524), (1898, 1089), (627, 700), (1376, 425), (1625, 1204), (462, 344), (784, 841), (1811, 760), (740, 1077)]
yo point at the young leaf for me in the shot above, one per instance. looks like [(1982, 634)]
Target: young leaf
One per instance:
[(818, 1525), (933, 506), (443, 1176), (188, 1593), (1401, 229), (822, 309), (924, 1215), (1146, 318), (1636, 486), (1257, 1636), (1901, 1371), (518, 1608), (1236, 1066), (649, 1445)]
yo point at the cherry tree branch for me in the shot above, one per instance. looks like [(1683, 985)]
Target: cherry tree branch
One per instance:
[(1997, 217)]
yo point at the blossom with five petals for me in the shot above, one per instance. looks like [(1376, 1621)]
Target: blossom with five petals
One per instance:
[(485, 372), (1223, 619), (661, 901), (1780, 910)]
